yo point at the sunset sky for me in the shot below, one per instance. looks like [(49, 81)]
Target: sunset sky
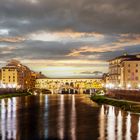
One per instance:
[(68, 38)]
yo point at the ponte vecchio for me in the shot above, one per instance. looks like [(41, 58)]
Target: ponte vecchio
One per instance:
[(63, 85)]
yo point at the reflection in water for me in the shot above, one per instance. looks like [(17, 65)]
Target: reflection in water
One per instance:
[(61, 118), (64, 117), (128, 127), (73, 119), (119, 126), (8, 119), (46, 116), (138, 135), (102, 124), (111, 124)]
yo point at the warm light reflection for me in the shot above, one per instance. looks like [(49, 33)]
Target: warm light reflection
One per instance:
[(111, 123), (138, 135), (46, 116), (102, 123), (119, 126), (61, 118), (73, 119), (128, 127), (8, 119)]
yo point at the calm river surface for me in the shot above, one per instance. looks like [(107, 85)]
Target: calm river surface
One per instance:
[(64, 117)]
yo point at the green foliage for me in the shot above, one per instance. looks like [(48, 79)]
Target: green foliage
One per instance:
[(124, 105), (10, 95)]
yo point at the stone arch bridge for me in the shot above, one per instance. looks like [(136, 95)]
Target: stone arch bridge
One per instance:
[(69, 85)]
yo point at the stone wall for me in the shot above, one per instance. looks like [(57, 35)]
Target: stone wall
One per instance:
[(133, 95), (7, 91)]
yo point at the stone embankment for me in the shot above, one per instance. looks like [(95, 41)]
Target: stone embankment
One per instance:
[(132, 95), (9, 93), (123, 104)]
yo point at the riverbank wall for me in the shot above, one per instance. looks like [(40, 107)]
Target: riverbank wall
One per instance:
[(132, 95), (7, 90), (122, 104)]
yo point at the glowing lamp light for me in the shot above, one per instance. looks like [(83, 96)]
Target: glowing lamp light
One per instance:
[(107, 85), (120, 86), (102, 85), (139, 86), (110, 85), (3, 86), (129, 86), (9, 85)]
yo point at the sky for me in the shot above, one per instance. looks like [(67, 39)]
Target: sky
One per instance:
[(68, 38)]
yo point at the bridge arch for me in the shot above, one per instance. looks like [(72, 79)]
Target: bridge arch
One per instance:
[(69, 85)]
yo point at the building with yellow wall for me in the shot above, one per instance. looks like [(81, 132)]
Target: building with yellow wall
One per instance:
[(17, 75), (124, 72), (115, 68), (10, 76), (130, 73)]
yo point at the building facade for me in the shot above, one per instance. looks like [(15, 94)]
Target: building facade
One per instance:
[(17, 75), (130, 73), (10, 76), (115, 69), (124, 72)]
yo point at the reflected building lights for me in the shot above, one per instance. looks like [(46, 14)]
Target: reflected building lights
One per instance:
[(8, 118), (119, 126), (128, 127), (61, 118), (102, 123), (138, 135), (111, 124), (3, 116), (46, 116), (73, 119)]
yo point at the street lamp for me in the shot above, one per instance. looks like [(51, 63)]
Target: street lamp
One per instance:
[(128, 86), (138, 86)]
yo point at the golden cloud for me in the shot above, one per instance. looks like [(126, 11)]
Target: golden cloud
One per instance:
[(67, 34), (120, 44), (12, 39)]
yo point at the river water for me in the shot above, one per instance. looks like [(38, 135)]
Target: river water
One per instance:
[(64, 117)]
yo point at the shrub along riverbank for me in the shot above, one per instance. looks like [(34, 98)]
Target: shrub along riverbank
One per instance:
[(10, 95), (123, 104)]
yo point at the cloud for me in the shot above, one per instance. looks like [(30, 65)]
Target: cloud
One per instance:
[(125, 41), (12, 39), (80, 33), (110, 16), (96, 73), (65, 36)]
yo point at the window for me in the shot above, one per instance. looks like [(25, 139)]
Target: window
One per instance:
[(136, 65), (128, 65), (136, 70), (128, 71)]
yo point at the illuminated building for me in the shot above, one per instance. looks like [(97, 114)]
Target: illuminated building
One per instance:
[(124, 72), (10, 76), (130, 73), (14, 74), (77, 85)]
